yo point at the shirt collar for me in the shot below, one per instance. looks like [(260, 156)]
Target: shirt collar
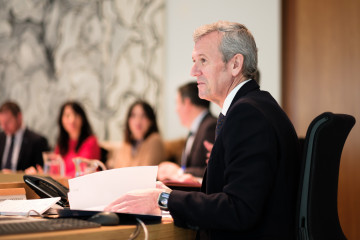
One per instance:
[(231, 96)]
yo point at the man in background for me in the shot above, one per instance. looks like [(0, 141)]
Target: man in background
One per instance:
[(20, 148), (194, 114)]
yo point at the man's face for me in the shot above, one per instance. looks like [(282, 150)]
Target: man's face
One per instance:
[(213, 75), (10, 123)]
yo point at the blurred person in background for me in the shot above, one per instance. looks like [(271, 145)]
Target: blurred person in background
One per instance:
[(195, 115), (142, 145), (20, 147), (76, 137)]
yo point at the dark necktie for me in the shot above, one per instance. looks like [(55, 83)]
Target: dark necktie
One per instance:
[(219, 124), (186, 151), (10, 153)]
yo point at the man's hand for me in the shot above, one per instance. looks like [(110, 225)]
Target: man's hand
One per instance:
[(161, 185), (168, 171), (208, 145), (6, 171), (138, 202), (32, 170), (171, 171), (187, 178)]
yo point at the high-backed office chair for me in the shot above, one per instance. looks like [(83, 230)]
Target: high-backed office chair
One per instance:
[(317, 216)]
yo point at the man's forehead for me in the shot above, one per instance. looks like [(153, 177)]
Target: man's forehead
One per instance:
[(197, 53), (207, 44), (6, 112), (202, 51)]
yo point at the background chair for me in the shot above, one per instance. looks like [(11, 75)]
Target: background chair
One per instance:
[(317, 215), (103, 155)]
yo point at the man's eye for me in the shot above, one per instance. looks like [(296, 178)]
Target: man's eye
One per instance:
[(203, 60)]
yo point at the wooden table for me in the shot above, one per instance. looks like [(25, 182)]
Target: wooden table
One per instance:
[(164, 230)]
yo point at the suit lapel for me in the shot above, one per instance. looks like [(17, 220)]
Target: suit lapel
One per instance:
[(248, 87), (2, 146), (22, 149), (193, 147)]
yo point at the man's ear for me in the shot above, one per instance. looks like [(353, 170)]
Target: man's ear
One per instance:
[(236, 64), (19, 118)]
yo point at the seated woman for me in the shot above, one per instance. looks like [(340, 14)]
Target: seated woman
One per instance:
[(76, 138), (142, 145)]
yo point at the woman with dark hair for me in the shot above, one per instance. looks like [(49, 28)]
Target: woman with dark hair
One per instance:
[(143, 145), (76, 138)]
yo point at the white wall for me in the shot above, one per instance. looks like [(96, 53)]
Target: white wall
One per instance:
[(262, 17)]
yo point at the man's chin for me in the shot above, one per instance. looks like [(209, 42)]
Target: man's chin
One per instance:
[(202, 91), (203, 96)]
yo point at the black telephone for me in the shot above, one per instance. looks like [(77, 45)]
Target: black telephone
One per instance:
[(46, 187)]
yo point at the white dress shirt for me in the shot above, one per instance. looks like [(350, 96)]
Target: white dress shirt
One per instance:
[(231, 96), (19, 134)]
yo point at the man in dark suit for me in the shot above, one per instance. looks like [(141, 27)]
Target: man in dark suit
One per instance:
[(194, 114), (20, 148), (250, 185)]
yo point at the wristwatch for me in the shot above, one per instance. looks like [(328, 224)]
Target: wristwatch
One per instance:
[(163, 200)]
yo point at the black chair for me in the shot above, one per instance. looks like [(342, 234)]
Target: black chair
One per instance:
[(103, 155), (317, 213)]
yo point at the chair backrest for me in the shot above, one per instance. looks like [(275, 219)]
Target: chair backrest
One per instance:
[(317, 214), (103, 154)]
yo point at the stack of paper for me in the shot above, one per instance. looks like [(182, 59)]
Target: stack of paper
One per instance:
[(97, 190), (24, 207)]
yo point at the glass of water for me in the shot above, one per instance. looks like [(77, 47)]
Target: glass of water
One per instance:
[(53, 164)]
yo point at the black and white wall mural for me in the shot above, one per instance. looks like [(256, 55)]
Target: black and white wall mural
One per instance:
[(102, 53)]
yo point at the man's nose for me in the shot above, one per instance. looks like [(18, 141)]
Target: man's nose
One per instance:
[(195, 71)]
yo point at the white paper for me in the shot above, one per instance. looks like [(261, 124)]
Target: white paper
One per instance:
[(23, 207), (97, 190)]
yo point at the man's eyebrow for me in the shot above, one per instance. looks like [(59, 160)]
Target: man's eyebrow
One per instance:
[(199, 55)]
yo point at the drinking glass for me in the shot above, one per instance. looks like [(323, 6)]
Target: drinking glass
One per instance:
[(85, 166), (53, 164)]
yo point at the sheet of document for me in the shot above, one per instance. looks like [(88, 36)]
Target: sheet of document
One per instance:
[(23, 207), (95, 191)]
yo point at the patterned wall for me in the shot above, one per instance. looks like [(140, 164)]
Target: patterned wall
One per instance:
[(103, 53)]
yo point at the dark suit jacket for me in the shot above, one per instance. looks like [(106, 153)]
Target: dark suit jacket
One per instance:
[(31, 149), (196, 161), (249, 188)]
